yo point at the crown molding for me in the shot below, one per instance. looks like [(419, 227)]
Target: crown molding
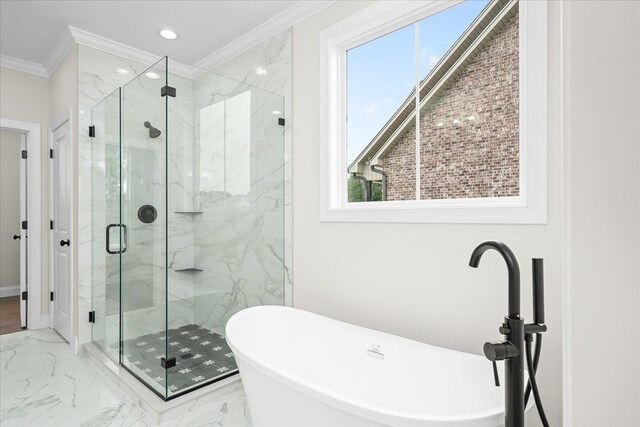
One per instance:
[(101, 43), (72, 35), (22, 65), (280, 22), (60, 50)]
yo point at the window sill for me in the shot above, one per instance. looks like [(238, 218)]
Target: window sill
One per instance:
[(505, 210)]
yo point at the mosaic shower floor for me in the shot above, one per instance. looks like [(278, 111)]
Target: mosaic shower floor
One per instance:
[(201, 356)]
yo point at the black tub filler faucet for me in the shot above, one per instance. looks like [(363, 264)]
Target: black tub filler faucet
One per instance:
[(517, 337)]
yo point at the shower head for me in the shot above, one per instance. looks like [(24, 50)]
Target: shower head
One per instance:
[(153, 132)]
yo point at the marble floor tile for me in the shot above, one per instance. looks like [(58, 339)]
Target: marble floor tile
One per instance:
[(42, 383), (236, 410)]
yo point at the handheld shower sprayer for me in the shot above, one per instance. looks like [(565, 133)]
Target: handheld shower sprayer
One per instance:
[(153, 132)]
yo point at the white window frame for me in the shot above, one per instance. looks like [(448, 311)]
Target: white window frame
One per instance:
[(530, 207)]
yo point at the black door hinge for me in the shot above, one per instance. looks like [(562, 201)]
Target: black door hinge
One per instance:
[(168, 91), (51, 153), (281, 121), (50, 224), (23, 154), (92, 317), (24, 225), (167, 363), (92, 131), (25, 295), (51, 296)]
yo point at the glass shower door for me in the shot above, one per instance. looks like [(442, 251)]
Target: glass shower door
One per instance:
[(105, 183), (143, 213), (188, 221)]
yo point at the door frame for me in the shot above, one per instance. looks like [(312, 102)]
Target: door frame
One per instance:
[(36, 319), (67, 116)]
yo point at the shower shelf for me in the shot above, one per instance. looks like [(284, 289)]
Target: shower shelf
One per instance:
[(192, 294), (189, 212), (190, 269)]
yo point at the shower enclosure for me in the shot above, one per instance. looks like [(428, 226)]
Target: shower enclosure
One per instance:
[(187, 221)]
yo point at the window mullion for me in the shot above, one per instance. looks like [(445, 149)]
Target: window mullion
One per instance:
[(417, 102)]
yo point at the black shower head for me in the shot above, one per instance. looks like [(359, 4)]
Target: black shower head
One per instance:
[(153, 132)]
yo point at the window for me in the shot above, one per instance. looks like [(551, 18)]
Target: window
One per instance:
[(435, 112)]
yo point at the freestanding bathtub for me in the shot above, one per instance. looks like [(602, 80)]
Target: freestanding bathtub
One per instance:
[(300, 369)]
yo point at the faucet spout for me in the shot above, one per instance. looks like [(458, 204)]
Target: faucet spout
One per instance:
[(512, 268)]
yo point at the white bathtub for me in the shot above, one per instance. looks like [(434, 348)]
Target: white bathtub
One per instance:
[(301, 369)]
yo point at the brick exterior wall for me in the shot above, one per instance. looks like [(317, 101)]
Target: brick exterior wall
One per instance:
[(469, 158), (400, 164)]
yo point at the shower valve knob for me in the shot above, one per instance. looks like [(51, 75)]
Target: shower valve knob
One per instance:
[(500, 350)]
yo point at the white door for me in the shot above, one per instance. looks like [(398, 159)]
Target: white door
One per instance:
[(13, 239), (61, 232), (23, 231)]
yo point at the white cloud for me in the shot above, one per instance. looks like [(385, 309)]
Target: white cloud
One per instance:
[(371, 110), (429, 58), (433, 60)]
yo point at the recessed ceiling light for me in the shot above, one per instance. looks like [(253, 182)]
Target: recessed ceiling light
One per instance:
[(122, 71), (152, 75), (260, 71), (168, 34)]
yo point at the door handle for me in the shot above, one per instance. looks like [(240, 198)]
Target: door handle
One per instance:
[(65, 242), (16, 237), (123, 243), (126, 239)]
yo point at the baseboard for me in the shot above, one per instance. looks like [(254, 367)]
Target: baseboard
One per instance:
[(75, 344), (9, 291), (42, 322)]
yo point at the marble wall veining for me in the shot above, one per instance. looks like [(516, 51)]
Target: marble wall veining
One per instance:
[(221, 166), (239, 246), (153, 173), (267, 65), (99, 75)]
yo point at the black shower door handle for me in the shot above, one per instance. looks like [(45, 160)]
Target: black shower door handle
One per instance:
[(16, 237), (65, 242), (123, 244)]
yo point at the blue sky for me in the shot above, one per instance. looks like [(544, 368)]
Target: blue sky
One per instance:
[(381, 73)]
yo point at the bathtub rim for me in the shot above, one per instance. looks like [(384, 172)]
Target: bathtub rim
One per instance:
[(345, 403)]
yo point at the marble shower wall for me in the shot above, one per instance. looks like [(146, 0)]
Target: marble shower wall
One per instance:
[(234, 234), (266, 66), (239, 236)]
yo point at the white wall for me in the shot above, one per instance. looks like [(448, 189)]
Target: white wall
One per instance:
[(9, 212), (25, 97), (413, 279), (602, 161)]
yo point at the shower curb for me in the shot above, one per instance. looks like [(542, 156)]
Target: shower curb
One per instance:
[(157, 409)]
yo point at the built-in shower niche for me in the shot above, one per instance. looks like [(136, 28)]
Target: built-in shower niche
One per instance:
[(191, 190)]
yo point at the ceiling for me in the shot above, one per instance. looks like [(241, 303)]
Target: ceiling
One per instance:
[(30, 30)]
